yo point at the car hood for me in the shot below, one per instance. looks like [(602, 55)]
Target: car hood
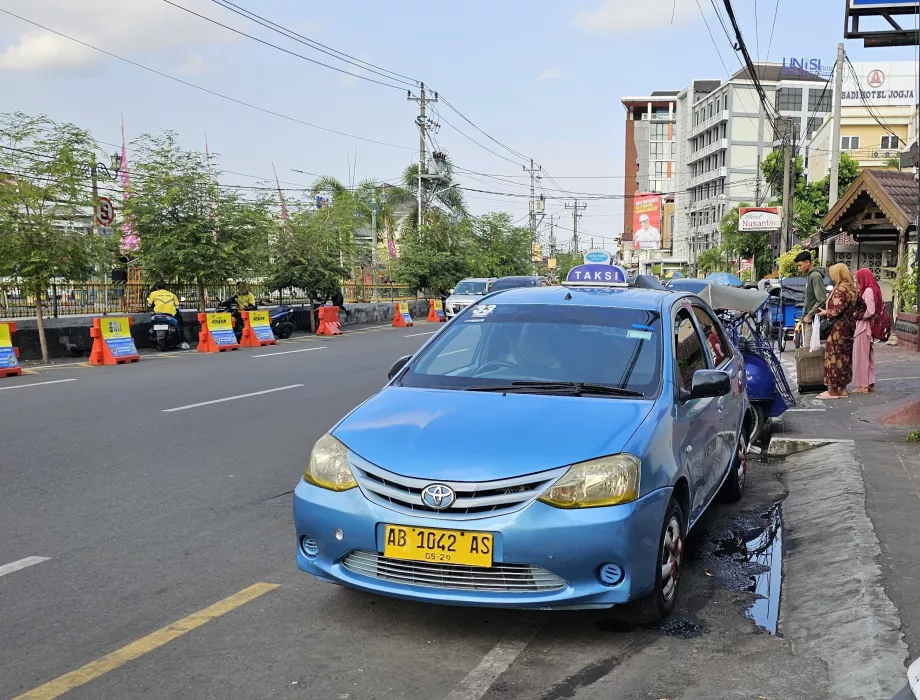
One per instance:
[(464, 298), (474, 436)]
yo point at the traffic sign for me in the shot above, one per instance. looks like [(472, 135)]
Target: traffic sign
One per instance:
[(105, 211)]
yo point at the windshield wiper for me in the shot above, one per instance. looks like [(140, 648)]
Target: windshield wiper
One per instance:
[(561, 388)]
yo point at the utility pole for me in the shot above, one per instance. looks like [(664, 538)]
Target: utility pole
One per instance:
[(552, 236), (422, 126), (533, 207), (576, 215), (374, 297), (92, 174), (835, 131), (786, 232)]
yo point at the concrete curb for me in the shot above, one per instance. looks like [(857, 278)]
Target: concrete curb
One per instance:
[(784, 447), (834, 602)]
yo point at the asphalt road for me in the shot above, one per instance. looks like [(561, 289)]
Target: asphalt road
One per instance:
[(170, 556)]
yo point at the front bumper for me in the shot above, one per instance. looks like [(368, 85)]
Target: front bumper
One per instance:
[(572, 544)]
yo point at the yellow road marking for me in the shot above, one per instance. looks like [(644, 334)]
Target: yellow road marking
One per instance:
[(29, 371), (134, 650)]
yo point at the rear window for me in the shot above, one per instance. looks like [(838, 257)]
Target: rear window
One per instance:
[(513, 282), (501, 343)]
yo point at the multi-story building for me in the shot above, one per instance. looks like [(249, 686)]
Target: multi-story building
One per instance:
[(877, 110), (724, 135), (650, 147)]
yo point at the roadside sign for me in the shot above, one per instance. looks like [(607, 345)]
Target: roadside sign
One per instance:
[(116, 332), (220, 325), (105, 211), (261, 325), (8, 358)]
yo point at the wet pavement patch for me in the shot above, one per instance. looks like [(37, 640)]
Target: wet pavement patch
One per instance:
[(752, 558)]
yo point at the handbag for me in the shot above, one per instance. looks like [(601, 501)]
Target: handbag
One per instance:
[(826, 326)]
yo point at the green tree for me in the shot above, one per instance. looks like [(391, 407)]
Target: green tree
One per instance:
[(305, 256), (435, 260), (500, 248), (786, 262), (43, 187), (712, 260), (746, 244), (190, 229)]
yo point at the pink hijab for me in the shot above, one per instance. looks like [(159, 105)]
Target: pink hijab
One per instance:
[(866, 280)]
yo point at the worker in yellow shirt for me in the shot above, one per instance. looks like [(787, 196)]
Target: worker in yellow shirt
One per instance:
[(162, 301), (244, 297)]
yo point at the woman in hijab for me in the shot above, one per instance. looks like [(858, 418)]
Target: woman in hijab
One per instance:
[(843, 307), (863, 350)]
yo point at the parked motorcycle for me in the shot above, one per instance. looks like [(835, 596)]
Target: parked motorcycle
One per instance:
[(164, 332), (283, 321), (231, 307)]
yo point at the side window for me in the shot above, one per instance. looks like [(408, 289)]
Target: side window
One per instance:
[(719, 349), (688, 348)]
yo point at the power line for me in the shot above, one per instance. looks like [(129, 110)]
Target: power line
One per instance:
[(322, 48), (280, 48), (866, 103), (712, 38), (204, 89), (470, 138), (772, 30)]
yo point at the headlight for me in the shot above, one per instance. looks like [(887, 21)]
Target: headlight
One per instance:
[(328, 465), (599, 482)]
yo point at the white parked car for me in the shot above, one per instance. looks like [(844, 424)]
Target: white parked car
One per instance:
[(466, 292)]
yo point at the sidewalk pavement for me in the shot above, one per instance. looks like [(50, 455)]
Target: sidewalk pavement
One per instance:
[(891, 467)]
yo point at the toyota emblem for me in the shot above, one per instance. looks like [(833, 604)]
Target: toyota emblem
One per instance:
[(438, 496)]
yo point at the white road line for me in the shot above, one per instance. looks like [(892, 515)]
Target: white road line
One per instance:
[(415, 335), (26, 386), (232, 398), (288, 352), (896, 379), (805, 410), (478, 681), (21, 564)]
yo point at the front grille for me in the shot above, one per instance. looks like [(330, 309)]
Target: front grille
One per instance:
[(473, 499), (499, 578)]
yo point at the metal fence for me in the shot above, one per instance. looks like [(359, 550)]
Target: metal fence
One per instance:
[(70, 299)]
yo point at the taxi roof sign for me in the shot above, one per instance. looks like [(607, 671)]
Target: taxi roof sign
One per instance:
[(596, 275)]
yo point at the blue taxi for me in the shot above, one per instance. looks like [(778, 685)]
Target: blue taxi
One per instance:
[(550, 447)]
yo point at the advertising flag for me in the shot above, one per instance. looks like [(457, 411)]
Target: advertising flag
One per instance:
[(391, 245), (129, 239), (647, 222)]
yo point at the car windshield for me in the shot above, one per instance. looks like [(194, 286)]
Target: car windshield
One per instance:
[(496, 345), (468, 287), (512, 282)]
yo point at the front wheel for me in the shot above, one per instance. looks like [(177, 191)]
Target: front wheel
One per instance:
[(733, 488), (660, 603)]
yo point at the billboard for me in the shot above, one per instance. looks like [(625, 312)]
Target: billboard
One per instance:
[(647, 222), (759, 218), (880, 84), (880, 4)]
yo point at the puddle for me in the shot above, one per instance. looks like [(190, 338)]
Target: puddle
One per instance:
[(760, 550)]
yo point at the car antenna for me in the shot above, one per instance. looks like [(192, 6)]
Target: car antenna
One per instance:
[(568, 296)]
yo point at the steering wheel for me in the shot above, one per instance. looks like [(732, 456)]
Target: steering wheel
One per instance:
[(494, 364)]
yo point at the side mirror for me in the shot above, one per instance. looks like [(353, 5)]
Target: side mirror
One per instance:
[(452, 290), (709, 383), (399, 364)]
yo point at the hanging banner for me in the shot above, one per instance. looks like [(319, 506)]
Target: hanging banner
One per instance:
[(647, 222), (220, 326)]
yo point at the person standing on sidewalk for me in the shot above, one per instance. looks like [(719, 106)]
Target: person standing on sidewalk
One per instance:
[(844, 307), (815, 293), (863, 350)]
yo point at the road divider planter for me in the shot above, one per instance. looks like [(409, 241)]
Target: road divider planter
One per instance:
[(216, 333), (436, 311), (257, 330), (112, 341), (329, 323), (9, 355), (401, 316)]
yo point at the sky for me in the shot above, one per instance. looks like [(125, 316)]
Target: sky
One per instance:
[(543, 78)]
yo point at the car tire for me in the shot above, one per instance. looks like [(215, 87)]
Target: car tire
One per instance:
[(658, 604), (733, 488)]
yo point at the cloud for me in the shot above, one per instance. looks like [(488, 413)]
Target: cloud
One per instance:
[(620, 16), (550, 74), (194, 65), (119, 26), (347, 81)]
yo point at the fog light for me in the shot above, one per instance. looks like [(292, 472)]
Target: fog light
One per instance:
[(339, 535), (309, 547), (610, 574)]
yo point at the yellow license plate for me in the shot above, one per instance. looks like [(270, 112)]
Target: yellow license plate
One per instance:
[(438, 546)]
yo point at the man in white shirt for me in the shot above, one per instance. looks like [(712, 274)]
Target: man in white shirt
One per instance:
[(647, 237)]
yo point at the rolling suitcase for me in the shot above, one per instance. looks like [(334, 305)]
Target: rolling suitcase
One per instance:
[(809, 368)]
